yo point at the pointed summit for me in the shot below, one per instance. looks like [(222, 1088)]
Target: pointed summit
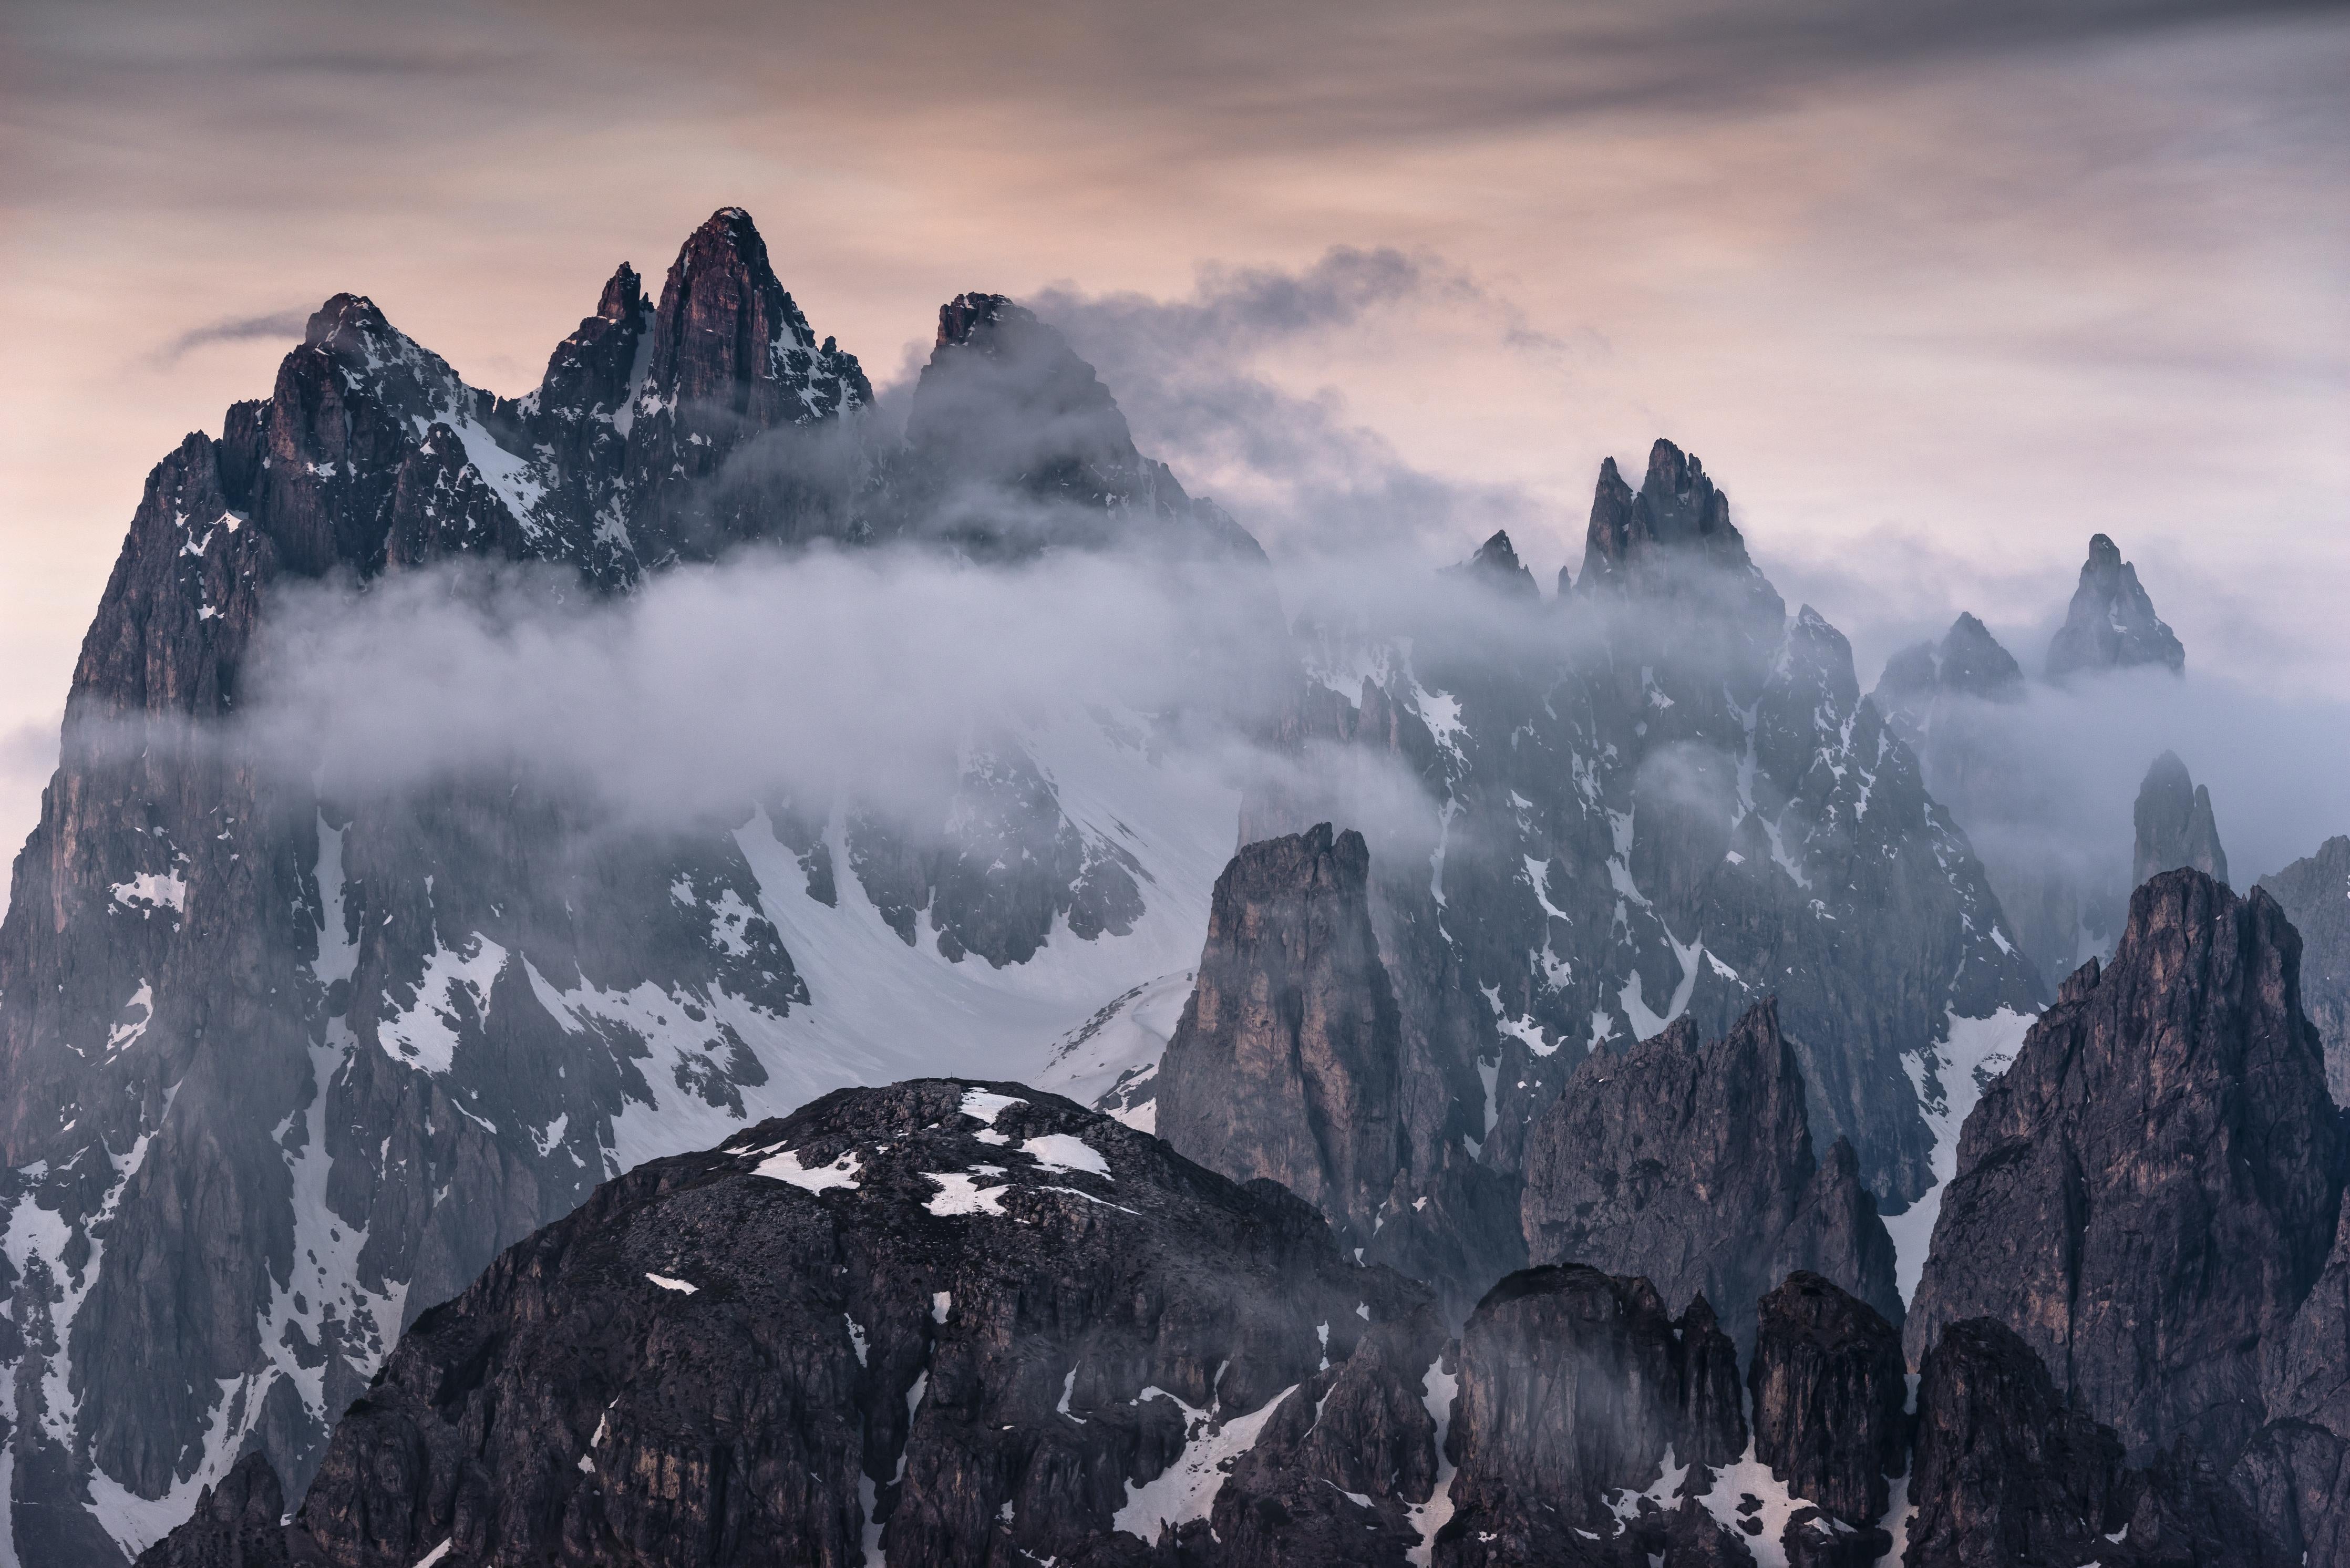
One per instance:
[(1015, 446), (1674, 537), (1676, 508), (1967, 662), (2174, 826), (1973, 663), (732, 360), (2111, 624), (1496, 566), (726, 335)]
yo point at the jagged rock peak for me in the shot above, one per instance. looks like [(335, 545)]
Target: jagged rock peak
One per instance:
[(1677, 506), (1968, 663), (2174, 826), (1694, 1167), (341, 315), (1286, 1062), (1973, 662), (2111, 624), (1496, 564), (2150, 1191), (623, 294), (725, 322), (966, 320)]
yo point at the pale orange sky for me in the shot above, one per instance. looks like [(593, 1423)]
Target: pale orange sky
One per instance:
[(1936, 290)]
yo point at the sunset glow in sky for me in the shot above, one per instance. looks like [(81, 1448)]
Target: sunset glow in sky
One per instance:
[(1936, 290)]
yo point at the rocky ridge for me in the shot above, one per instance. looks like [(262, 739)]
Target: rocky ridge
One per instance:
[(965, 1323), (376, 1042), (2149, 1192), (1021, 1278)]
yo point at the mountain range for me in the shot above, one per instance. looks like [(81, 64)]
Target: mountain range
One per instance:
[(1577, 1043)]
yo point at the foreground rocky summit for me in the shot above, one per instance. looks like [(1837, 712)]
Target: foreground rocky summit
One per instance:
[(952, 1322)]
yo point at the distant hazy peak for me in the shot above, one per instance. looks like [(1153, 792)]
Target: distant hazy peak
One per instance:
[(2111, 624)]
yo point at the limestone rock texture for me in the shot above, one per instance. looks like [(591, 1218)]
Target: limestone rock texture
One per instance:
[(2150, 1192), (955, 1322), (1286, 1064)]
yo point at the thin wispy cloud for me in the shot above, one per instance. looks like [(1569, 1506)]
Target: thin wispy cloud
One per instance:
[(276, 326)]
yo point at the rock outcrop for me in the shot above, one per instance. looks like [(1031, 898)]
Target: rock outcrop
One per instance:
[(1286, 1062), (1576, 1389), (1922, 681), (2175, 827), (2111, 623), (2315, 894), (2150, 1192), (1660, 796), (1692, 1167), (1830, 1391), (239, 1523)]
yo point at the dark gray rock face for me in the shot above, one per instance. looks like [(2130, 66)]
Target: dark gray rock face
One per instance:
[(2174, 826), (994, 865), (2111, 623), (2314, 893), (1286, 1064), (1574, 1385), (1693, 1166), (1830, 1388), (2149, 1193), (956, 1323), (1496, 564), (2007, 1475), (2297, 1470)]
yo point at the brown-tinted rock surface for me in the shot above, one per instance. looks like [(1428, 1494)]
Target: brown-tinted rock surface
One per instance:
[(2149, 1192), (2007, 1476), (955, 1323), (1574, 1385), (1286, 1061), (1829, 1389)]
